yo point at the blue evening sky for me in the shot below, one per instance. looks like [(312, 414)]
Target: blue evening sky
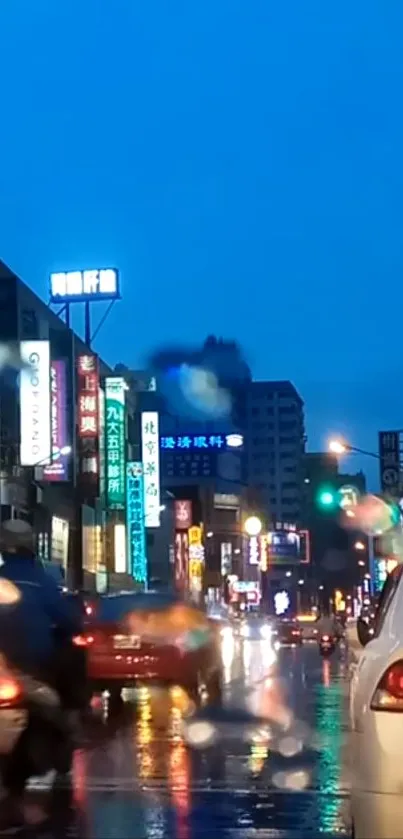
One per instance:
[(240, 162)]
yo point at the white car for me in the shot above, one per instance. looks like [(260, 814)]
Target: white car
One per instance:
[(376, 711)]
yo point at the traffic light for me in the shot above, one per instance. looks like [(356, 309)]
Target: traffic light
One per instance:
[(327, 498)]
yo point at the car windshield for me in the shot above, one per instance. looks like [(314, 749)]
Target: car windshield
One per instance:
[(112, 608)]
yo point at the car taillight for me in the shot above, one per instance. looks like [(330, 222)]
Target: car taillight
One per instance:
[(325, 638), (295, 632), (10, 691), (389, 693), (83, 640)]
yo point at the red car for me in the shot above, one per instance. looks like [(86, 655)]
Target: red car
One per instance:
[(128, 640)]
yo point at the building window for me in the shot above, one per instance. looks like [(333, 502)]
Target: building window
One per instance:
[(255, 412), (288, 409), (288, 440), (289, 485), (288, 425)]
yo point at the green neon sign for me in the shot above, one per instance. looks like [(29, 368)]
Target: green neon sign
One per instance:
[(115, 432)]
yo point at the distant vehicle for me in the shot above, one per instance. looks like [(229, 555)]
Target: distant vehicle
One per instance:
[(327, 645), (130, 639), (307, 624), (288, 633), (255, 627), (376, 712)]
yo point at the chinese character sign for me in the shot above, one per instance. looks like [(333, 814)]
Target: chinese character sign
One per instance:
[(78, 286), (201, 442), (390, 462), (88, 419), (115, 426), (151, 465), (102, 449), (254, 550), (136, 536), (58, 469), (183, 515)]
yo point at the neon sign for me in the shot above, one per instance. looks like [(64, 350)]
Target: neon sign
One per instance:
[(200, 442)]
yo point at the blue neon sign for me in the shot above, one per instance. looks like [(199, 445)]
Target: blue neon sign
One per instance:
[(201, 442), (136, 536)]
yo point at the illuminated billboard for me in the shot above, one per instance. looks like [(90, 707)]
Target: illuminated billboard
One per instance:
[(35, 413), (136, 534), (81, 286), (58, 469), (151, 465), (115, 429), (201, 442), (88, 421), (283, 547)]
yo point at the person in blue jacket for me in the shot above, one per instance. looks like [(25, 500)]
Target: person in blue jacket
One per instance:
[(29, 627)]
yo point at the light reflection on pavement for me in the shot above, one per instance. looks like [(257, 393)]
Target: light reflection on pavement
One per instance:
[(142, 781)]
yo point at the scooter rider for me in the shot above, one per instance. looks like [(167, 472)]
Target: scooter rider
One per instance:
[(27, 638), (328, 625)]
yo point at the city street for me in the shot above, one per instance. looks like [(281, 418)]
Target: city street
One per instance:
[(138, 779)]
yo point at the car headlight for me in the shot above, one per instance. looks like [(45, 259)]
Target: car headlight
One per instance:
[(265, 631)]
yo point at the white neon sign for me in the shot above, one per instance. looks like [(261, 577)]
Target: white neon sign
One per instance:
[(94, 284), (35, 411), (151, 466)]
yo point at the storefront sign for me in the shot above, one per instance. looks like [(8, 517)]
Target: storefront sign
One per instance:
[(115, 388), (183, 515), (283, 547), (390, 462), (151, 466), (78, 286), (102, 441), (253, 550), (88, 421), (196, 563), (181, 561), (136, 535), (58, 469), (197, 442), (35, 419)]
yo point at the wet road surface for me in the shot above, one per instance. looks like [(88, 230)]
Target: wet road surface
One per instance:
[(139, 779)]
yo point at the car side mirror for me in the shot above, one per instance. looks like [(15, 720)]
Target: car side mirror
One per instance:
[(365, 632)]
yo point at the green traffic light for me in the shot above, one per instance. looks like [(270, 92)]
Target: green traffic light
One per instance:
[(327, 497)]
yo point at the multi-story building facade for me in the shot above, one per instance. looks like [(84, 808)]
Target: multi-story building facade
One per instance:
[(68, 510), (275, 440)]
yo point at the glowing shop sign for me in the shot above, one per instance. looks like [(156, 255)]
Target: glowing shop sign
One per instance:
[(281, 602), (254, 550), (136, 536), (151, 466), (115, 442), (201, 442), (78, 286)]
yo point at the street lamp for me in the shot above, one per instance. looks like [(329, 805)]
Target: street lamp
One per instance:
[(339, 446), (253, 526)]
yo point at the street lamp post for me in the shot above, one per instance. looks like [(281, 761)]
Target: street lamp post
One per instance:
[(339, 446)]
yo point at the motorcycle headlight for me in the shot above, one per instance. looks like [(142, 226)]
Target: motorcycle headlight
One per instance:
[(265, 631), (245, 630)]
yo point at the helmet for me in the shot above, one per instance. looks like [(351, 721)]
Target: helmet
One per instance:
[(16, 536)]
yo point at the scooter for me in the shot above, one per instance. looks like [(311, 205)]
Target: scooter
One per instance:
[(327, 645), (32, 725)]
